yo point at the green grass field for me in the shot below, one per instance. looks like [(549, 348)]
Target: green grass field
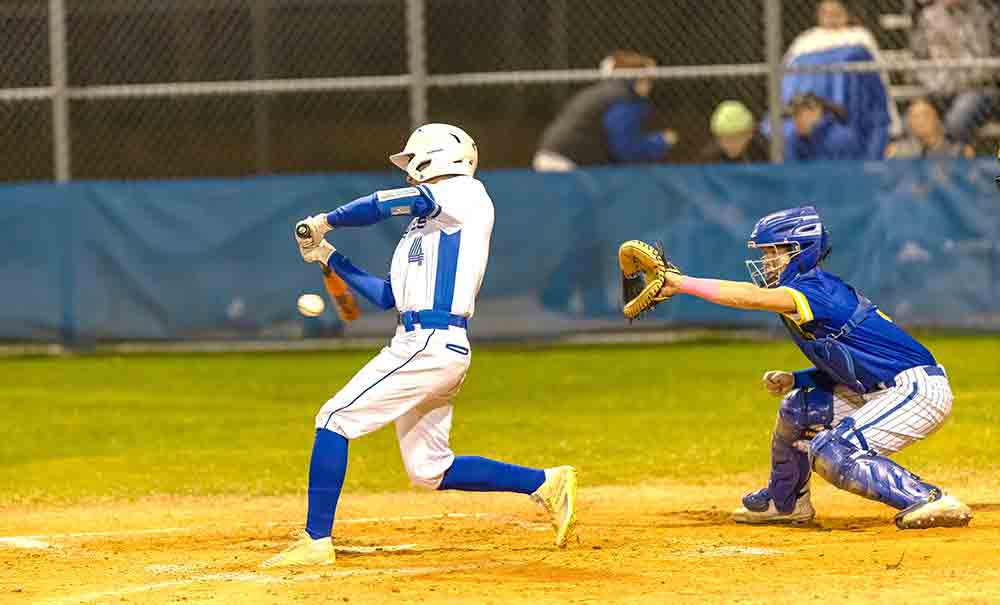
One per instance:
[(104, 426)]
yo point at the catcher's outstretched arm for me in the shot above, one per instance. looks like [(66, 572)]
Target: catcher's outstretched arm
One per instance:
[(741, 295)]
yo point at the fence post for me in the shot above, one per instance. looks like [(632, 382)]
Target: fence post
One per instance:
[(416, 38), (260, 18), (60, 99), (772, 32)]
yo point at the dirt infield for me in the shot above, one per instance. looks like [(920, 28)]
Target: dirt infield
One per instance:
[(656, 543)]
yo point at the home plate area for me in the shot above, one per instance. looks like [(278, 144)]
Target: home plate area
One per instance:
[(654, 543)]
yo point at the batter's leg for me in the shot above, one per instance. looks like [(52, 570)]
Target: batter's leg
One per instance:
[(392, 383), (423, 434), (327, 469)]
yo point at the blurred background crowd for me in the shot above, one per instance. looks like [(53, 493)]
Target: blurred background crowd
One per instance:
[(827, 115), (108, 89)]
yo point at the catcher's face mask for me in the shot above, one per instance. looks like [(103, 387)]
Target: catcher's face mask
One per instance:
[(766, 272)]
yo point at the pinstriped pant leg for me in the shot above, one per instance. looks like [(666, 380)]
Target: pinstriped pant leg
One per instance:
[(894, 418)]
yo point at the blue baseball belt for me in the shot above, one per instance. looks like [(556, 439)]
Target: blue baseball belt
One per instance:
[(929, 370), (431, 320)]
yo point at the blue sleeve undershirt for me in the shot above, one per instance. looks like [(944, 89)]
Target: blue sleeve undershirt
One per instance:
[(376, 207), (805, 378), (376, 290), (373, 208), (811, 379)]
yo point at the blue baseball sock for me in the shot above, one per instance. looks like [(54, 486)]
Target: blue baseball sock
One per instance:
[(476, 474), (326, 478)]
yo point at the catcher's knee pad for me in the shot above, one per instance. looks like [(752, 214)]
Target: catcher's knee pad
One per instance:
[(801, 411), (865, 473)]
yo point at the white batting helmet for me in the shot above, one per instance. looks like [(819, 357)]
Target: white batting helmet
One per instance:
[(437, 150)]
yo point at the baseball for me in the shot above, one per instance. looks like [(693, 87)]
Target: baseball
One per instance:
[(311, 305)]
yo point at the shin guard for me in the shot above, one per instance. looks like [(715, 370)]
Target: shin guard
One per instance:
[(866, 473), (800, 411)]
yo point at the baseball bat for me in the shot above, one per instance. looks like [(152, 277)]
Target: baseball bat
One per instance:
[(340, 295)]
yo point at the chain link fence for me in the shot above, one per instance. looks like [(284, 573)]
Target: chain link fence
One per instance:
[(26, 115), (106, 89)]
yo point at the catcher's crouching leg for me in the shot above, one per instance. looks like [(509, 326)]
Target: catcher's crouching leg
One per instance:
[(865, 473), (801, 412), (875, 477)]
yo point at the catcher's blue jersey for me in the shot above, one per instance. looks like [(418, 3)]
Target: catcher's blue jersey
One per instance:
[(879, 347)]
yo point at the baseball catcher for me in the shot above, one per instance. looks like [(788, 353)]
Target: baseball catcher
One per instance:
[(871, 391)]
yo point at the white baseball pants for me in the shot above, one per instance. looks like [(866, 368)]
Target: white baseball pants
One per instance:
[(886, 421), (410, 382)]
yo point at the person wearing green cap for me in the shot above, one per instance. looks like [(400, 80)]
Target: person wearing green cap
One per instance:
[(735, 139)]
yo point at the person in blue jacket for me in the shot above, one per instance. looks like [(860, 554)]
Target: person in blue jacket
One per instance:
[(865, 95), (603, 123), (821, 131)]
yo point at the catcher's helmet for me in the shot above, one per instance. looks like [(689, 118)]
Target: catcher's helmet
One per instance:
[(437, 150), (802, 230)]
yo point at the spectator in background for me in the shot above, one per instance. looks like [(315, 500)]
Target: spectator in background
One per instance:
[(822, 131), (926, 136), (603, 123), (958, 29), (864, 95), (734, 137)]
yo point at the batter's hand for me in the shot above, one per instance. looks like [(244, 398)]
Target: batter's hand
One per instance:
[(318, 253), (310, 230), (778, 383)]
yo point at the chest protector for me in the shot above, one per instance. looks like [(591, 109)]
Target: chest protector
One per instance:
[(832, 357)]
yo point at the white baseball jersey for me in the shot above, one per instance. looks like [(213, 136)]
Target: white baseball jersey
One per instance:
[(440, 262)]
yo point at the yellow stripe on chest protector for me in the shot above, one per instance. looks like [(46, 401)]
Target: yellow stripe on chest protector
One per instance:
[(883, 315)]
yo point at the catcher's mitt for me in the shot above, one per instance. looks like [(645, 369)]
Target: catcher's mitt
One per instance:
[(644, 271)]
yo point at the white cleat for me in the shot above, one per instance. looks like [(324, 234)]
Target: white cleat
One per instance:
[(558, 496), (939, 511), (802, 513), (305, 551)]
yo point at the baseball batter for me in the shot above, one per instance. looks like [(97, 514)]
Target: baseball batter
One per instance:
[(872, 390), (435, 275)]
